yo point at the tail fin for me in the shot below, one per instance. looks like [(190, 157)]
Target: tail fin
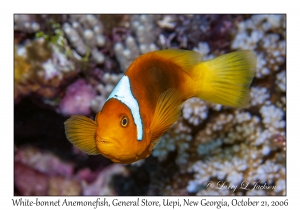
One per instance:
[(226, 79)]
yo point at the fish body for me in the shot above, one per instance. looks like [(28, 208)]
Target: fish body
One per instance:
[(147, 100)]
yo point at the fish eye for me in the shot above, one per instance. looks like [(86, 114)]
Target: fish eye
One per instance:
[(124, 121)]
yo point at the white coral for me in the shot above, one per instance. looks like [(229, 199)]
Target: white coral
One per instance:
[(195, 111), (168, 22), (165, 145), (171, 141), (246, 128), (262, 137), (211, 147), (259, 95), (222, 169), (254, 34), (272, 117), (85, 32), (110, 81), (126, 54), (26, 23), (280, 186), (262, 68), (57, 65), (144, 26), (217, 192), (281, 81), (268, 172)]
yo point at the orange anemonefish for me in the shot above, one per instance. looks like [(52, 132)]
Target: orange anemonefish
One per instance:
[(147, 100)]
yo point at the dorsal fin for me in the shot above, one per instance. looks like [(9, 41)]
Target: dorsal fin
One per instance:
[(185, 59), (81, 132), (166, 114)]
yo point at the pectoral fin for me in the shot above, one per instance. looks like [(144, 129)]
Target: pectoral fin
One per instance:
[(166, 114), (154, 143), (81, 132)]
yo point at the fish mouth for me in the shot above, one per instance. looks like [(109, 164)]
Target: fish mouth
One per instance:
[(104, 141), (108, 142), (108, 147)]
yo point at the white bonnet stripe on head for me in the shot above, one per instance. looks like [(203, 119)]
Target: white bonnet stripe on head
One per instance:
[(123, 93)]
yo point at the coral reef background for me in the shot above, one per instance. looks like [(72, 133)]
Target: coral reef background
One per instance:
[(69, 64)]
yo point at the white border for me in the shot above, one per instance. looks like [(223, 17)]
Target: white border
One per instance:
[(8, 8)]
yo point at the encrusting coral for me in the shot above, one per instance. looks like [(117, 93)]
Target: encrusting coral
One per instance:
[(81, 103), (40, 68)]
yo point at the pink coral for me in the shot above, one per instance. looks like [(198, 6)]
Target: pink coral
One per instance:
[(87, 175), (59, 185), (29, 181), (102, 186), (44, 162), (77, 99)]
